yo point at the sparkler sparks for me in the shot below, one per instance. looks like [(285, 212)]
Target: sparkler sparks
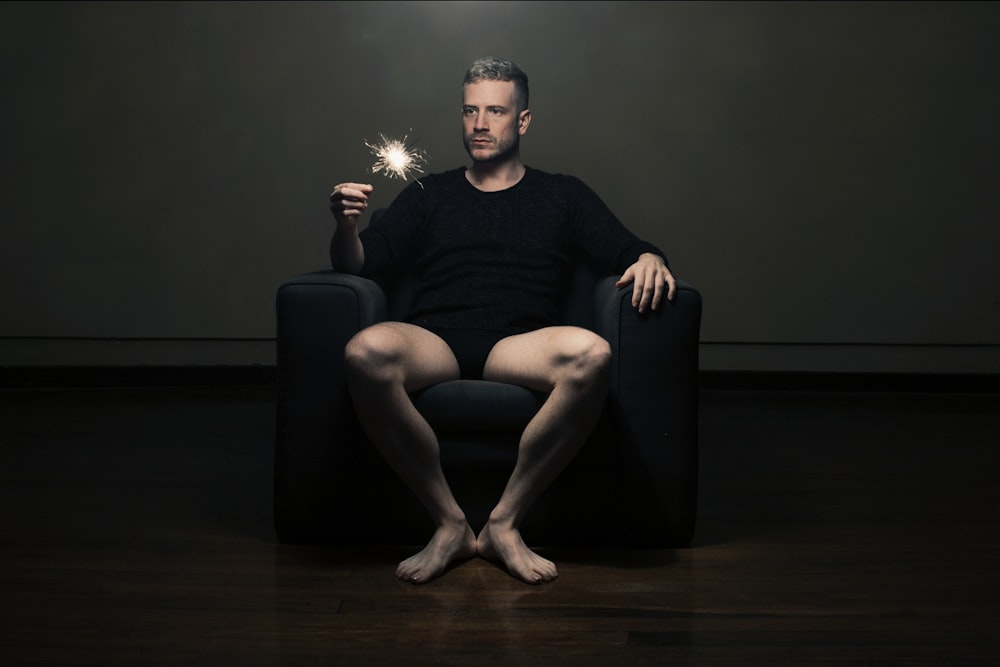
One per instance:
[(396, 159)]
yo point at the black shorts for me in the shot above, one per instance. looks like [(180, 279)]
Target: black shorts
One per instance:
[(471, 347)]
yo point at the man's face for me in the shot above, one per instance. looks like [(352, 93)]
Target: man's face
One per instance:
[(492, 127)]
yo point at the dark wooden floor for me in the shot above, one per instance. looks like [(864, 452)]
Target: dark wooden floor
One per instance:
[(859, 528)]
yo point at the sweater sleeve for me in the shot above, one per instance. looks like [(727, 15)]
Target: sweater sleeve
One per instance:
[(392, 237), (601, 235)]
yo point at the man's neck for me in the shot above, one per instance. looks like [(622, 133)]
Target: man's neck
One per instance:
[(495, 177)]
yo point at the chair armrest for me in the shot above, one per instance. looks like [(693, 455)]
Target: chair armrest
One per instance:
[(652, 351), (654, 394), (317, 313)]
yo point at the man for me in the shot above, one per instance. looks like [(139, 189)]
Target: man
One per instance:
[(491, 245)]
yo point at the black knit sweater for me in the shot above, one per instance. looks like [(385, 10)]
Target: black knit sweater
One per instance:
[(498, 261)]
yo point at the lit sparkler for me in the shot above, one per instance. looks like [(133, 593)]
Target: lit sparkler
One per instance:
[(396, 159)]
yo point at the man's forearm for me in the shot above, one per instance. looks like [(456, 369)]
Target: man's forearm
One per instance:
[(346, 251)]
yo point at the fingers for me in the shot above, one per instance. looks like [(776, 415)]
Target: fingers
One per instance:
[(650, 285), (647, 291), (359, 191), (664, 287), (349, 200)]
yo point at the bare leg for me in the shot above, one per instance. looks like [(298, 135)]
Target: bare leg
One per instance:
[(384, 363), (573, 364)]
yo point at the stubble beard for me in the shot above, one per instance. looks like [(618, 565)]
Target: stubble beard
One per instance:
[(502, 151)]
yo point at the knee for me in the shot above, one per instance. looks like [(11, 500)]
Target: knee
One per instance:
[(590, 360), (370, 356)]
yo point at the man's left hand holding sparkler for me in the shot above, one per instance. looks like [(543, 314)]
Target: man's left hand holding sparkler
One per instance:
[(347, 202)]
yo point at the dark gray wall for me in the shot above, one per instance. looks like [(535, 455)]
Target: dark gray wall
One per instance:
[(824, 173)]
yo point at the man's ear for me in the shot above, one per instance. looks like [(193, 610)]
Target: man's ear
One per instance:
[(523, 121)]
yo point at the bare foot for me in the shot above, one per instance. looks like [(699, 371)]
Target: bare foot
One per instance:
[(449, 544), (506, 546)]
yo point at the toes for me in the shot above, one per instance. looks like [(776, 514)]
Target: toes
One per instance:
[(408, 571), (410, 577), (546, 577), (545, 570)]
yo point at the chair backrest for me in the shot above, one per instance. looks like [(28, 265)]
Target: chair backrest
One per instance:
[(578, 308)]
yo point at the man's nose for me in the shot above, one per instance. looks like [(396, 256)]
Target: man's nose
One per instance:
[(480, 123)]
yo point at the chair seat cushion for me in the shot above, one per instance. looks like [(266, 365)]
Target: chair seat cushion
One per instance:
[(477, 406)]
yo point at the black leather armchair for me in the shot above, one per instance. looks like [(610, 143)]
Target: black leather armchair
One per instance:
[(633, 483)]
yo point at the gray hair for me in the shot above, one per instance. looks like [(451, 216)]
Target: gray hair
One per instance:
[(500, 69)]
